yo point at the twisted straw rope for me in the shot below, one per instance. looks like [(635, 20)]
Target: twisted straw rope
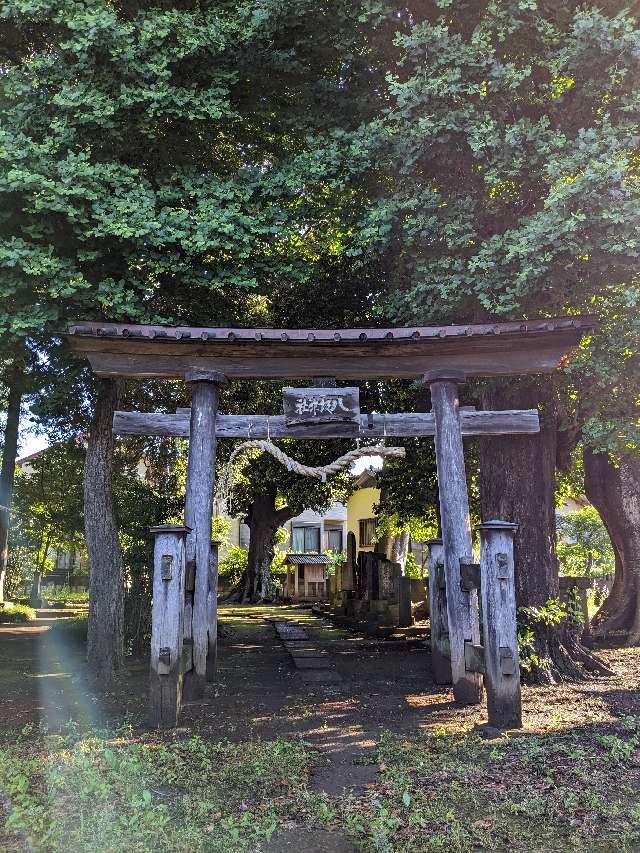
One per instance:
[(225, 483)]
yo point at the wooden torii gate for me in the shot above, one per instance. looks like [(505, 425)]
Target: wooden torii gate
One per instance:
[(442, 357)]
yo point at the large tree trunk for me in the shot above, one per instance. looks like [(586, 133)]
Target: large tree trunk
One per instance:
[(517, 484), (35, 593), (263, 521), (262, 526), (7, 472), (615, 493), (395, 547), (400, 548), (106, 594)]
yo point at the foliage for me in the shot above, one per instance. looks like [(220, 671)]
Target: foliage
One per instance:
[(278, 566), (336, 558), (511, 140), (11, 612), (220, 528), (65, 595), (477, 806), (281, 536), (115, 791), (176, 157), (121, 790), (411, 568), (531, 622), (47, 507), (584, 547), (232, 565), (514, 135)]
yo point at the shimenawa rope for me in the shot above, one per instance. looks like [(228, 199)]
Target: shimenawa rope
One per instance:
[(224, 489)]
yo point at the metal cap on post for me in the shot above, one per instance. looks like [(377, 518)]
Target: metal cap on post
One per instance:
[(444, 374), (196, 374), (502, 667), (497, 524)]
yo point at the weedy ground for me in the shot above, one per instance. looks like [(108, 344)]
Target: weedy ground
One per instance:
[(382, 761)]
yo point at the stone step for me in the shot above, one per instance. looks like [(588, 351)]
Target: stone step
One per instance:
[(286, 631), (302, 651)]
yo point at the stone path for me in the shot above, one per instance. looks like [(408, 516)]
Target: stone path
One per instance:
[(313, 663)]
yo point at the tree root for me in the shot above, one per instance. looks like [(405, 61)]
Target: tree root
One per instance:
[(562, 657), (617, 623)]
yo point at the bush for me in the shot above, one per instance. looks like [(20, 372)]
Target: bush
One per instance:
[(533, 621), (65, 595), (233, 564), (412, 569), (20, 613)]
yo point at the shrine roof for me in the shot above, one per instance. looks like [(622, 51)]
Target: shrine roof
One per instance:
[(489, 349), (307, 559)]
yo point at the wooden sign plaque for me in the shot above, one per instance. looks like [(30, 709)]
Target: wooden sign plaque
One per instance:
[(321, 405)]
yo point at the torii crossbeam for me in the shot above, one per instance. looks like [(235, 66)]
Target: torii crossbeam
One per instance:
[(442, 356)]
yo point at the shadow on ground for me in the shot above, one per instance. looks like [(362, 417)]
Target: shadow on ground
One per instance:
[(384, 684)]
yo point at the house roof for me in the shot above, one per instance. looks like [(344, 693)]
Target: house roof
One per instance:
[(307, 559), (366, 479), (30, 458)]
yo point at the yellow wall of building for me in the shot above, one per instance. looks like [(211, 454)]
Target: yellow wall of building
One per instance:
[(360, 505)]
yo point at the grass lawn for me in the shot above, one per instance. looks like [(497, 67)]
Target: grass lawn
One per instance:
[(570, 780), (443, 790)]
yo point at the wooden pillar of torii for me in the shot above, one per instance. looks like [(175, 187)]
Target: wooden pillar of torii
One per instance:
[(462, 605), (198, 511)]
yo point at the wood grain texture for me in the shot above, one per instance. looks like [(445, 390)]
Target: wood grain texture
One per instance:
[(462, 605), (321, 405), (440, 651), (498, 361), (502, 668), (198, 512), (212, 612), (167, 614), (372, 426)]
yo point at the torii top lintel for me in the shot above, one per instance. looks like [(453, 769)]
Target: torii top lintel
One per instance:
[(497, 349)]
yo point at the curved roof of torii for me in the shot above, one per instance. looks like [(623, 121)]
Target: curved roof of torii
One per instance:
[(491, 349)]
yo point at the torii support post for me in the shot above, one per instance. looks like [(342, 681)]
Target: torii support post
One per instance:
[(501, 664), (165, 680), (462, 605), (198, 510), (212, 609), (440, 649)]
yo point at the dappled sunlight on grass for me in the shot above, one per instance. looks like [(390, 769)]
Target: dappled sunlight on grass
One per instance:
[(568, 781), (93, 790)]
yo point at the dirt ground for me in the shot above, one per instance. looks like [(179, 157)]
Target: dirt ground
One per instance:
[(384, 684)]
